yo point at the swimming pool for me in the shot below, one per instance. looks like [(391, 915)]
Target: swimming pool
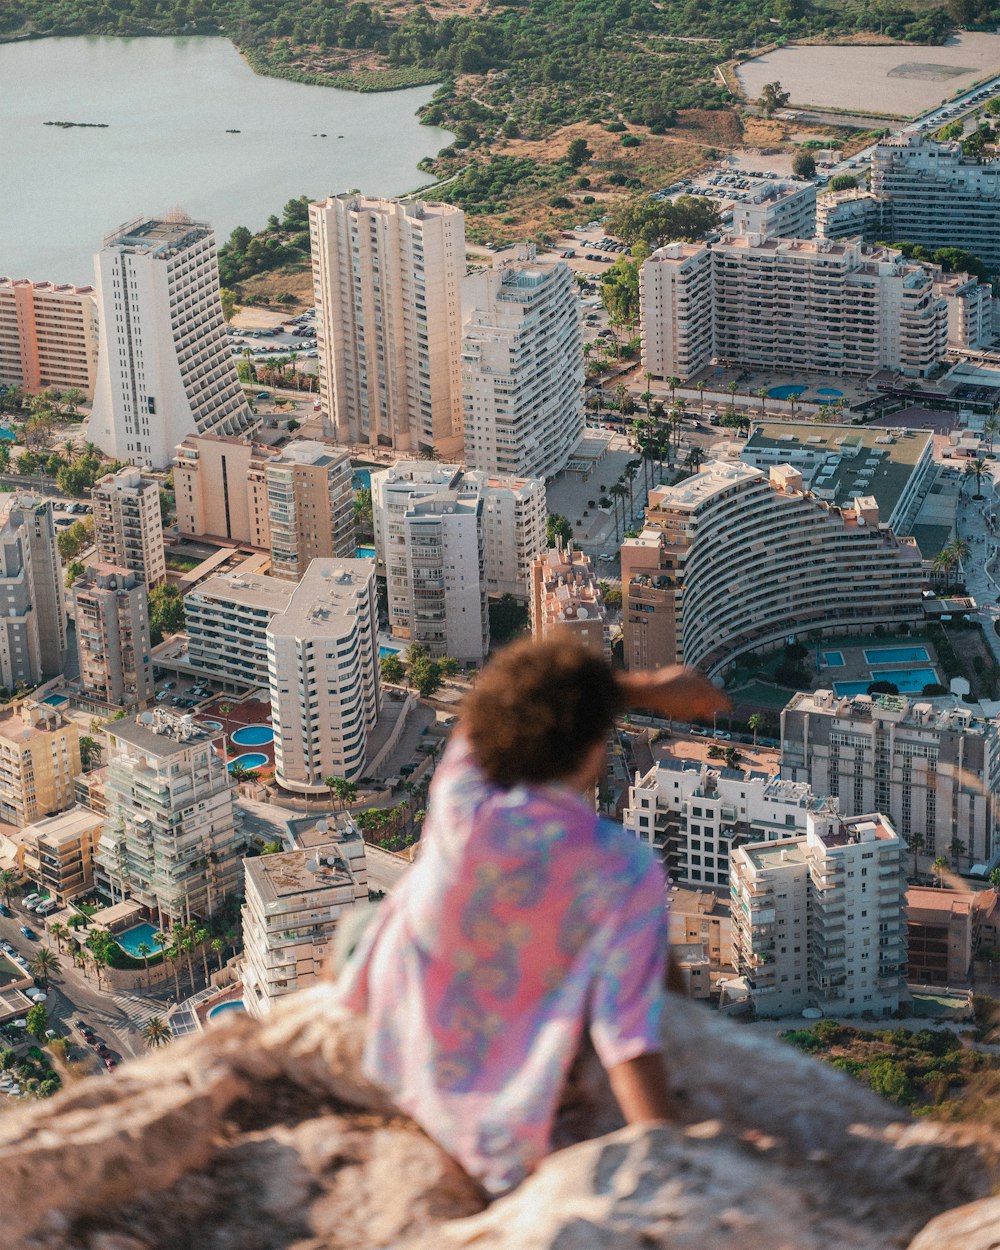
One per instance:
[(362, 479), (906, 680), (786, 392), (213, 725), (897, 655), (364, 553), (253, 736), (250, 762), (384, 651), (828, 395), (234, 1004), (131, 939), (55, 700), (8, 436), (833, 659)]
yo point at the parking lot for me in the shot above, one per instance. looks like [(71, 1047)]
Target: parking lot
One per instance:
[(297, 334)]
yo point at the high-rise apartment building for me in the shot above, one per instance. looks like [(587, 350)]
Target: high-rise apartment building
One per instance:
[(849, 214), (746, 562), (293, 903), (169, 841), (112, 637), (310, 507), (567, 601), (430, 536), (48, 336), (226, 619), (33, 624), (798, 304), (929, 193), (387, 280), (522, 368), (818, 921), (39, 758), (696, 814), (128, 524), (323, 669), (220, 487), (514, 516), (165, 368), (781, 210), (934, 770)]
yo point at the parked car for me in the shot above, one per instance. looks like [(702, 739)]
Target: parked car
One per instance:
[(30, 934), (5, 910)]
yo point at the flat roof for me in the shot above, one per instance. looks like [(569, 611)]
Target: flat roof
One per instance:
[(252, 590), (288, 873), (161, 733), (842, 462), (771, 854), (330, 590), (65, 826)]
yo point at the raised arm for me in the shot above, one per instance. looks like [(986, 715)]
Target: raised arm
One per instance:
[(679, 692)]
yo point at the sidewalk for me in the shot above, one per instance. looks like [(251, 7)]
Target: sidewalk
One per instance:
[(981, 564)]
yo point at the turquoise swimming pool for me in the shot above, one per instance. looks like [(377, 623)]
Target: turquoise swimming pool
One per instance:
[(234, 1004), (833, 659), (365, 553), (139, 935), (897, 655), (251, 761), (55, 700), (906, 680), (253, 736), (786, 392)]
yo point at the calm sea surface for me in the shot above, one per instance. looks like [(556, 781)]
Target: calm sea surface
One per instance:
[(168, 104)]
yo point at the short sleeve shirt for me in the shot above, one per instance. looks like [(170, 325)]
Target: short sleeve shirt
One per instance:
[(526, 920)]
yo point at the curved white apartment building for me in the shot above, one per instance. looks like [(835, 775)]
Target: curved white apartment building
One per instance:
[(750, 561)]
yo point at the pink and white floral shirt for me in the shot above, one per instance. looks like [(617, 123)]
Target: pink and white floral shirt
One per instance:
[(525, 920)]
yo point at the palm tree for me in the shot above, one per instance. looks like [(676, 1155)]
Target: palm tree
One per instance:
[(8, 880), (939, 868), (673, 382), (762, 396), (755, 723), (732, 388), (978, 469), (173, 954), (990, 427), (145, 950), (618, 492), (58, 931), (218, 945), (201, 940), (621, 391), (957, 849), (916, 846), (44, 963), (156, 1032), (701, 387)]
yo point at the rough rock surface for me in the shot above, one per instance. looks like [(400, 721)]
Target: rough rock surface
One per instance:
[(265, 1137), (975, 1227)]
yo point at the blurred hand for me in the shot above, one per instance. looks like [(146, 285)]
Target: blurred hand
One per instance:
[(683, 693)]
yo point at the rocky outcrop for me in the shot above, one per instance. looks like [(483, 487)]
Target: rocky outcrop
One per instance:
[(265, 1137)]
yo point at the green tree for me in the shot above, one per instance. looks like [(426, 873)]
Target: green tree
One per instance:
[(656, 222), (804, 165), (38, 1021), (43, 964), (843, 182), (425, 674), (156, 1032), (145, 950), (392, 669), (508, 618), (90, 752), (74, 570), (772, 98), (166, 612), (8, 879), (229, 302), (939, 868), (578, 153), (755, 723), (558, 530), (75, 539)]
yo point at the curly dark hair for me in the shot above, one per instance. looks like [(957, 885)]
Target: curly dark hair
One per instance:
[(538, 708)]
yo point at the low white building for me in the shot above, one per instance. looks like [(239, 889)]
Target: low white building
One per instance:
[(293, 903)]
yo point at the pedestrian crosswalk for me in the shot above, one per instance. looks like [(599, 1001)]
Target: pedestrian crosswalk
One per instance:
[(138, 1010)]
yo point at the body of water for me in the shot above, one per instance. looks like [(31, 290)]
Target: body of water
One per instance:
[(168, 104)]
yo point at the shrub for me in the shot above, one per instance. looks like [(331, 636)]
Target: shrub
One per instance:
[(631, 141)]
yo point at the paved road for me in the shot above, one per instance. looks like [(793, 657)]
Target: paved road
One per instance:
[(981, 564)]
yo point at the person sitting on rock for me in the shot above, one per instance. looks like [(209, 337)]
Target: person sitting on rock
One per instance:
[(527, 921)]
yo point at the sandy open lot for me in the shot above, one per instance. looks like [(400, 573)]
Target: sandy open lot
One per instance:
[(904, 79)]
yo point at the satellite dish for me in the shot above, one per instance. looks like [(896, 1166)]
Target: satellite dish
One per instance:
[(321, 826), (312, 864), (146, 718)]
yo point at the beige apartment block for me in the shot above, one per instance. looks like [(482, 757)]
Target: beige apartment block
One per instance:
[(819, 920), (128, 524), (48, 336), (942, 935), (226, 619), (220, 485), (59, 852), (39, 759), (169, 840), (648, 588), (112, 636), (165, 368), (323, 671), (293, 904), (934, 769), (810, 305), (749, 561), (566, 599), (522, 367), (310, 501), (387, 282), (778, 209)]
